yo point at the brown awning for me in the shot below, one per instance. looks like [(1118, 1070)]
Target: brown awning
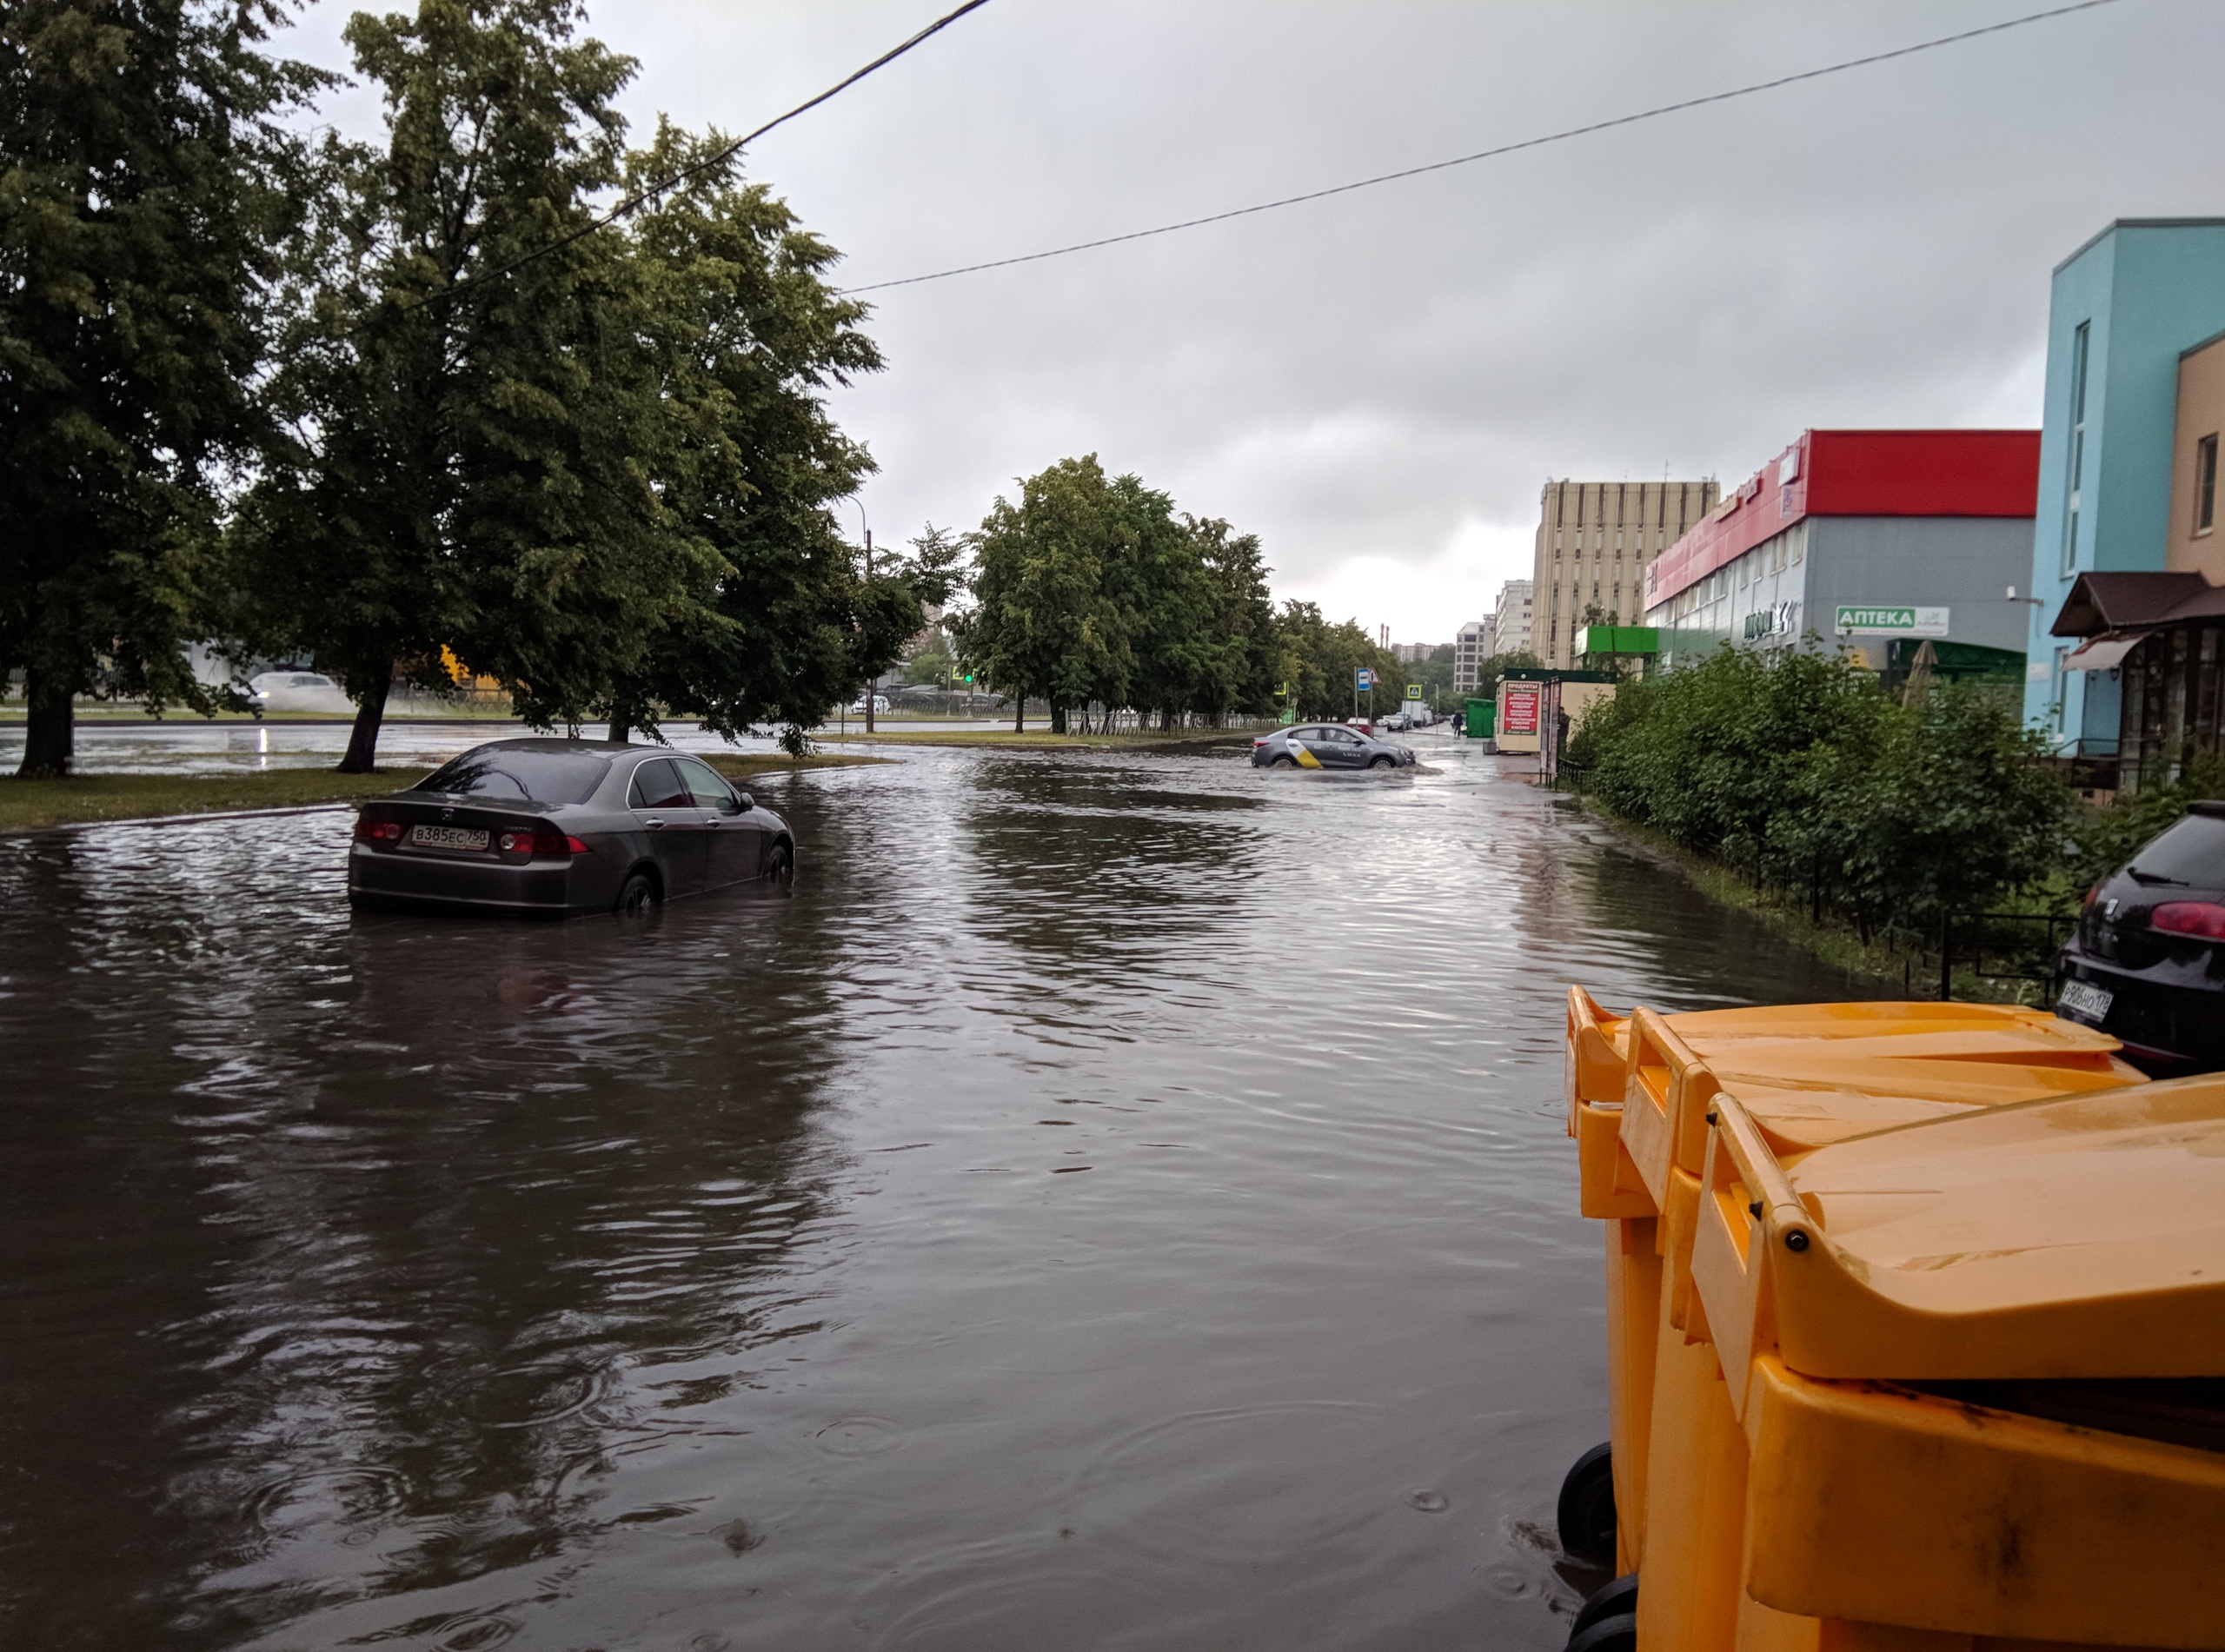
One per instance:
[(2099, 602), (2105, 652)]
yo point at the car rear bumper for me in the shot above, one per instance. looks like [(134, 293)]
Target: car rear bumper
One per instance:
[(400, 881), (2167, 1028)]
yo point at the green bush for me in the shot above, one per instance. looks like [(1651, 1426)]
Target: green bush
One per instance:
[(1802, 774)]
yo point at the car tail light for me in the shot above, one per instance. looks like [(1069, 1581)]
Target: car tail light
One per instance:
[(2201, 919), (2089, 901), (378, 831), (539, 841)]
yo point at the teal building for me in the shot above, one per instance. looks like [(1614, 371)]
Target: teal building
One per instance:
[(2122, 308)]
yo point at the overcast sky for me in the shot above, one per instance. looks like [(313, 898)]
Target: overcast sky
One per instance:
[(1378, 384)]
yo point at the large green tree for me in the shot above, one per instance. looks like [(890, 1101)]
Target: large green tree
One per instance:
[(1043, 625), (473, 386), (748, 336), (145, 175)]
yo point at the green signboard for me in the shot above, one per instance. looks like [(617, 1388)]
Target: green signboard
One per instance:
[(1413, 691), (1886, 617)]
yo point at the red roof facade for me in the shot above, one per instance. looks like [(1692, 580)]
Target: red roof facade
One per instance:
[(1857, 473)]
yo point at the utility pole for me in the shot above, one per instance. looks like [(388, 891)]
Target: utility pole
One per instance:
[(871, 683)]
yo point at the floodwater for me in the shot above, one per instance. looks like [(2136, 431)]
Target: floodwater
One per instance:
[(1107, 1202)]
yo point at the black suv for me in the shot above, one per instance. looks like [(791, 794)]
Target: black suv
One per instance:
[(2147, 963)]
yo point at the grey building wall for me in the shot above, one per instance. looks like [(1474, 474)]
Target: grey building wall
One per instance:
[(1963, 564), (1795, 583)]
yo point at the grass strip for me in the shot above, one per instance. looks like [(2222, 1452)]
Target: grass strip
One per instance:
[(33, 805), (1892, 971)]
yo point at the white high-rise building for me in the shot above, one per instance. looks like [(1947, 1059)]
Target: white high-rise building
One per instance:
[(1470, 648), (1512, 630)]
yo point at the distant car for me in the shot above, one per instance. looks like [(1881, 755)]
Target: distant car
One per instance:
[(1327, 745), (558, 828), (858, 706), (2147, 962), (1397, 723), (298, 691)]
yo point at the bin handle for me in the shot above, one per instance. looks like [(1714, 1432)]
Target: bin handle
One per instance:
[(1760, 1172)]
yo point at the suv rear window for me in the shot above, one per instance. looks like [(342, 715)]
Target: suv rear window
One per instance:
[(540, 777), (2190, 851)]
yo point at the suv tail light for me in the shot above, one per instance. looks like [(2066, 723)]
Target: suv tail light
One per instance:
[(372, 831), (2201, 918)]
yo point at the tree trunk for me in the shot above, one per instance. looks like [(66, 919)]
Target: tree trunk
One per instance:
[(621, 727), (1058, 718), (364, 738), (50, 728), (1019, 714)]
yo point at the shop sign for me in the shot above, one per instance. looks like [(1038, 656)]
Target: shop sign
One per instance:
[(1520, 715), (1915, 622), (1777, 622)]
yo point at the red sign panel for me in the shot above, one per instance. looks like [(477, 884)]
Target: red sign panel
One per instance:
[(1520, 715)]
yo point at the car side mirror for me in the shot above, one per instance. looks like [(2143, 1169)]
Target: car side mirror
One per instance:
[(747, 801)]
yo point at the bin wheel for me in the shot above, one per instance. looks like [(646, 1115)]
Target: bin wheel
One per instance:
[(1586, 1514), (1618, 1599), (1608, 1634)]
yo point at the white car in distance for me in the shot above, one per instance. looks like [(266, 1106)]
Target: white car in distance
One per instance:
[(299, 691)]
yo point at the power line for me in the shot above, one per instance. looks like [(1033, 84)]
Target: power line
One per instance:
[(634, 201), (1504, 149)]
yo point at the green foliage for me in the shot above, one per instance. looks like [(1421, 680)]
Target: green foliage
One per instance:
[(144, 178), (475, 437), (1091, 588), (1803, 775), (2104, 840), (1317, 660), (749, 335)]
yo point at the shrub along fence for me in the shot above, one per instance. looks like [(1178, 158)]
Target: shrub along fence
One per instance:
[(1805, 777)]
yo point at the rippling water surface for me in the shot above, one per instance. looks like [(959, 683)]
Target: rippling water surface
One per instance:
[(1107, 1202)]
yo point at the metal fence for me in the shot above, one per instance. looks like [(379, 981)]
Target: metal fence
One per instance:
[(2003, 947)]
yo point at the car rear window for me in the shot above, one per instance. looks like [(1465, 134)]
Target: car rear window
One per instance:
[(539, 777), (2191, 851)]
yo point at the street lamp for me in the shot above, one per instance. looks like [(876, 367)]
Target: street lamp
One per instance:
[(870, 681)]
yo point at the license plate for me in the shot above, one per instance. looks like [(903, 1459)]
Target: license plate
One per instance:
[(2084, 998), (433, 837)]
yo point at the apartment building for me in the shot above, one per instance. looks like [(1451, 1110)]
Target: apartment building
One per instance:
[(1470, 648), (1595, 541), (1513, 630)]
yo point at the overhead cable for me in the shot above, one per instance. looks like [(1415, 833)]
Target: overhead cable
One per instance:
[(1489, 153), (650, 192)]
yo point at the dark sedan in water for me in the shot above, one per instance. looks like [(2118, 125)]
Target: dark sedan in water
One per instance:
[(2147, 962), (556, 828), (1328, 745)]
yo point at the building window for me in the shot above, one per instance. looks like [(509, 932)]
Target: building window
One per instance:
[(2076, 472), (2205, 483)]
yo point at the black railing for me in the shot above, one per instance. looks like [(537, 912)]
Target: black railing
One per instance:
[(2020, 946)]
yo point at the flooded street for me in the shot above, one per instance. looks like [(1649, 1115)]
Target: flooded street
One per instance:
[(1107, 1202)]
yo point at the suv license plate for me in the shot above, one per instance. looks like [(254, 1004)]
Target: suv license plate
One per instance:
[(436, 836), (2082, 998)]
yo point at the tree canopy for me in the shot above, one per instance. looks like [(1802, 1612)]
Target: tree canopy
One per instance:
[(146, 181)]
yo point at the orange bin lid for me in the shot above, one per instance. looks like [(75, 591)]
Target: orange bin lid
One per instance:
[(2075, 1236)]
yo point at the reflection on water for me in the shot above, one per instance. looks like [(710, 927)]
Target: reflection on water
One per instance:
[(1107, 1201)]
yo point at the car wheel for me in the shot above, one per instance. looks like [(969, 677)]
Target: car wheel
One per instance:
[(638, 896), (1381, 762), (1284, 761), (781, 864)]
